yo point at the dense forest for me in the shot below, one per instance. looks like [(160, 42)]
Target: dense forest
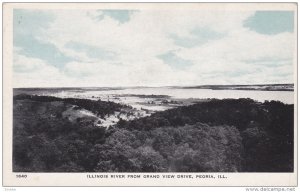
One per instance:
[(230, 135)]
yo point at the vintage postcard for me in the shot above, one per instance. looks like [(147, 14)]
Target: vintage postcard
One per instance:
[(150, 94)]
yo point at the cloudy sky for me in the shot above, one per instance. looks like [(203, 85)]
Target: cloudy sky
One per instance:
[(67, 48)]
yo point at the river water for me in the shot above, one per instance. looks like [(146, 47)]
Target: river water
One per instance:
[(141, 97)]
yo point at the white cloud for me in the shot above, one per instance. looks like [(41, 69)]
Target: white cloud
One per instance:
[(32, 72), (138, 42)]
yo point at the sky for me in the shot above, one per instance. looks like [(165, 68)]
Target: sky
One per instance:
[(103, 48)]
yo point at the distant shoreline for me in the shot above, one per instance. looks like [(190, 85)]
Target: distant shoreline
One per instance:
[(243, 89), (254, 87), (250, 87)]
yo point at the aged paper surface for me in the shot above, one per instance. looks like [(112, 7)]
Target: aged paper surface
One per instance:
[(57, 46)]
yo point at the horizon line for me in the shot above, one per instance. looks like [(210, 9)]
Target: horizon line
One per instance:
[(135, 86)]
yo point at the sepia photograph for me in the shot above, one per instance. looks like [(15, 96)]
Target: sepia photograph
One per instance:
[(114, 90)]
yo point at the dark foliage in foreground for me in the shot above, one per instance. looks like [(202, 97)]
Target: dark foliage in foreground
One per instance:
[(215, 136), (266, 128)]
